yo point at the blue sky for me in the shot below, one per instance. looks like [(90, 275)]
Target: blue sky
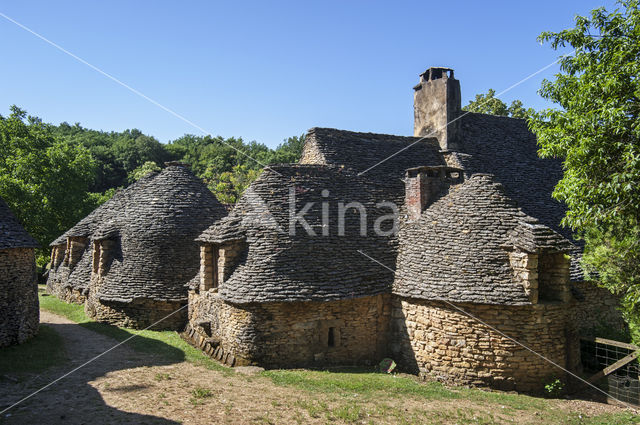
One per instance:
[(265, 71)]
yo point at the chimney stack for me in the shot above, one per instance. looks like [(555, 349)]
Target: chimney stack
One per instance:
[(436, 102), (424, 184)]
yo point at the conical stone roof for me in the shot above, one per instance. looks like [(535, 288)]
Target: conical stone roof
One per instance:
[(456, 251), (156, 224), (12, 234)]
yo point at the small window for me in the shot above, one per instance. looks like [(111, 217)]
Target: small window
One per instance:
[(209, 267), (229, 257), (67, 253), (214, 264), (331, 338), (106, 253), (553, 277), (95, 258), (77, 247)]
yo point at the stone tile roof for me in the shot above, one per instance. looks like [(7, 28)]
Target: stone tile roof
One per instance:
[(361, 151), (457, 249), (505, 147), (302, 268), (12, 234), (279, 266), (93, 227), (88, 225), (156, 223)]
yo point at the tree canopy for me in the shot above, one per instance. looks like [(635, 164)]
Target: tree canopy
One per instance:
[(489, 104), (44, 179), (596, 131)]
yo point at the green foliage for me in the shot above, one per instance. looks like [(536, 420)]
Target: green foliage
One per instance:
[(53, 176), (554, 388), (117, 154), (44, 179), (489, 104), (597, 134), (146, 168), (228, 166), (230, 185)]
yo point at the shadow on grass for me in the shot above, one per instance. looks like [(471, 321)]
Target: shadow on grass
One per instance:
[(137, 341), (39, 353), (75, 398)]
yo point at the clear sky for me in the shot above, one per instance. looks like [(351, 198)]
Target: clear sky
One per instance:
[(265, 71)]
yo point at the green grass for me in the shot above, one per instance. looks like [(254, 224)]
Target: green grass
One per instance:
[(367, 383), (44, 350), (199, 394), (167, 344)]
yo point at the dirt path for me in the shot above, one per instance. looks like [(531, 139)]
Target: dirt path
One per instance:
[(73, 400), (128, 387)]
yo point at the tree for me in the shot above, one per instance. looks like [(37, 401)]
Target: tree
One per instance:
[(596, 132), (146, 168), (43, 179), (289, 151), (489, 104), (229, 186)]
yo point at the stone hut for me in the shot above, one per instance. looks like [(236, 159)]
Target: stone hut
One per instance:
[(478, 261), (144, 251), (19, 308), (71, 253), (473, 274), (130, 259), (270, 290)]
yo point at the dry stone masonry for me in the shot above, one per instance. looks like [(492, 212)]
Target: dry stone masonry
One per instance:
[(130, 260), (478, 262), (438, 250), (19, 309)]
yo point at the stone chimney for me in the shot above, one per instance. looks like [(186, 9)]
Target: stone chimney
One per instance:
[(423, 185), (436, 102)]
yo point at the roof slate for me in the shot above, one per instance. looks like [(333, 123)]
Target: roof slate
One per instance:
[(157, 224), (279, 266), (505, 147), (12, 234), (362, 151), (458, 249), (155, 221)]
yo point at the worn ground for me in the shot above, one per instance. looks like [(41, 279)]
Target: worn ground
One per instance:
[(129, 387)]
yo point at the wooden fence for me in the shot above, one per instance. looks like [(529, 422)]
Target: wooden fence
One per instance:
[(614, 366)]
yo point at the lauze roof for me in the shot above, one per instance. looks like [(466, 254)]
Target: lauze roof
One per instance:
[(155, 222), (456, 251), (280, 266), (157, 228), (12, 234)]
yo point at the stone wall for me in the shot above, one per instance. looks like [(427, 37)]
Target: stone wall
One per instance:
[(138, 314), (433, 339), (296, 334), (19, 308), (311, 154), (596, 310)]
